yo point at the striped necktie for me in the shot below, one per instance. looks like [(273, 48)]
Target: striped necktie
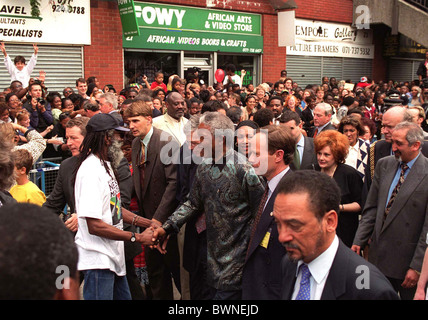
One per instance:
[(394, 193)]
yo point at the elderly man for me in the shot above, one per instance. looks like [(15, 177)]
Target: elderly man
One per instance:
[(228, 190), (173, 121), (322, 117), (394, 218), (383, 148), (108, 104)]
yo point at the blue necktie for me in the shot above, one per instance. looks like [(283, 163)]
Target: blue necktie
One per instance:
[(305, 284)]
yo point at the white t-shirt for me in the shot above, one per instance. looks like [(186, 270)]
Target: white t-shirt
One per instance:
[(236, 79), (97, 196)]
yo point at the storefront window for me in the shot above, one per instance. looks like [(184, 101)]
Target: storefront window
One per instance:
[(241, 62), (138, 64)]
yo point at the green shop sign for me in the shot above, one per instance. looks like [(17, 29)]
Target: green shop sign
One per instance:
[(186, 28), (128, 17)]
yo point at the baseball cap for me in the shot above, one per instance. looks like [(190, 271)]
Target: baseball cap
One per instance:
[(363, 79), (104, 122)]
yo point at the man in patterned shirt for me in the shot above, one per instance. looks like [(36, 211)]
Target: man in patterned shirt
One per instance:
[(228, 190)]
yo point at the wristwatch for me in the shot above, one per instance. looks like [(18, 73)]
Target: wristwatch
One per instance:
[(133, 239)]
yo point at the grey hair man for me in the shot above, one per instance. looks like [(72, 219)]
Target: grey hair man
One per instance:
[(396, 208), (229, 197), (322, 118)]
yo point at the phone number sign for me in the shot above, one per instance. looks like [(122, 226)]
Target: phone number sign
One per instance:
[(59, 22)]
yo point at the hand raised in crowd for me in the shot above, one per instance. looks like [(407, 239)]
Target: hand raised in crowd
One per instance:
[(36, 48), (3, 48), (42, 75)]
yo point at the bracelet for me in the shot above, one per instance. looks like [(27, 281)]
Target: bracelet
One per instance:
[(135, 219), (343, 207)]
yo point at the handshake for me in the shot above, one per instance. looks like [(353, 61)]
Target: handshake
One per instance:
[(154, 236)]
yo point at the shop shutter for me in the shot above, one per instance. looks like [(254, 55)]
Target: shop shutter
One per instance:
[(332, 67), (304, 70), (310, 70), (62, 64), (354, 69)]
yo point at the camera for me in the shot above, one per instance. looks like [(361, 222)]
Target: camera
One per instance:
[(41, 101)]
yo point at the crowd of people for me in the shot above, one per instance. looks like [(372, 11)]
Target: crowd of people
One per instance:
[(179, 186)]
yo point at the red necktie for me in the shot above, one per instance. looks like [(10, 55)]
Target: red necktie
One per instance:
[(259, 214), (315, 133)]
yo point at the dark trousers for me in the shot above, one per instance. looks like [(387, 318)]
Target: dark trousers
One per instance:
[(405, 294), (199, 290), (162, 268)]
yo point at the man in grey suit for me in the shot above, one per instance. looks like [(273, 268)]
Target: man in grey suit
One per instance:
[(394, 218), (322, 118), (305, 156), (155, 181), (318, 265)]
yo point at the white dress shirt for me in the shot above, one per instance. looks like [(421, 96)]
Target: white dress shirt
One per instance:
[(319, 268), (352, 157), (274, 182)]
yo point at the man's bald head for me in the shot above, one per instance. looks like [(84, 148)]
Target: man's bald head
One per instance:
[(391, 118)]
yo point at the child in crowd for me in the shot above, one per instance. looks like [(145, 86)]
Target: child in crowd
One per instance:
[(25, 190), (18, 70), (158, 82)]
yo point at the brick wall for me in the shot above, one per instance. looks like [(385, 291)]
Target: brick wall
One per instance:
[(325, 10), (104, 57)]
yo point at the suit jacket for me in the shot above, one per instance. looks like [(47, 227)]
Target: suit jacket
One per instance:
[(309, 158), (398, 242), (342, 279), (157, 196), (378, 150), (261, 279), (63, 191), (168, 124), (308, 120), (327, 127)]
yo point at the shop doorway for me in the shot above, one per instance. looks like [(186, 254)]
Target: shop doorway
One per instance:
[(204, 63)]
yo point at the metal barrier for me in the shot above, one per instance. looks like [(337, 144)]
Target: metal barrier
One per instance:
[(44, 174)]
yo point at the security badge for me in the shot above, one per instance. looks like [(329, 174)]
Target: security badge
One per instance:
[(266, 238)]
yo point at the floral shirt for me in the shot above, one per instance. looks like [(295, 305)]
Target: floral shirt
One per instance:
[(229, 194)]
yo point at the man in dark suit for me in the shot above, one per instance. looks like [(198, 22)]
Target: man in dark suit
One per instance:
[(318, 265), (63, 191), (322, 118), (271, 155), (305, 156), (395, 213), (155, 182), (308, 113)]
